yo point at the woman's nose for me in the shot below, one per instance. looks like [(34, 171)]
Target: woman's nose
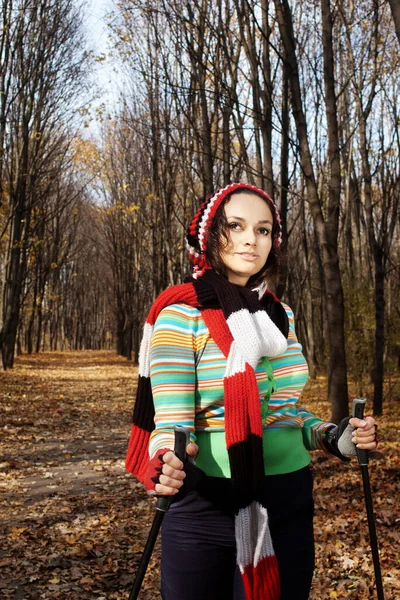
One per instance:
[(250, 238)]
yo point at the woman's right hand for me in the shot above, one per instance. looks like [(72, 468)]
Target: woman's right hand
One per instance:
[(172, 476)]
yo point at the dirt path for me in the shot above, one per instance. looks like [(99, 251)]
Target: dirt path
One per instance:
[(73, 523)]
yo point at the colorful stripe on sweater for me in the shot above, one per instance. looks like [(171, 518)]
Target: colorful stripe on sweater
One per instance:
[(187, 370)]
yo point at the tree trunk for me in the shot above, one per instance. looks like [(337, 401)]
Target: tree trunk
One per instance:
[(284, 184), (379, 331), (337, 373), (266, 96), (226, 148), (12, 292), (29, 333), (395, 8), (377, 254), (39, 328)]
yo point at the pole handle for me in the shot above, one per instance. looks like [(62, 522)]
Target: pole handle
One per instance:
[(358, 411), (182, 438)]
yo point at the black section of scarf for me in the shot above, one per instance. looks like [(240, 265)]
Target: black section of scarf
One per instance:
[(215, 291)]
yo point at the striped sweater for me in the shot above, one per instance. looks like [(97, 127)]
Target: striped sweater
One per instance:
[(187, 368)]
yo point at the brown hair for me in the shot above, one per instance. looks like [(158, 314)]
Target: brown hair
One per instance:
[(219, 238)]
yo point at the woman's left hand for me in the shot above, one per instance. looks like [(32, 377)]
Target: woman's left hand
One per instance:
[(364, 434)]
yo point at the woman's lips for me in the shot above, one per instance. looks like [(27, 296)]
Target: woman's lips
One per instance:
[(248, 256)]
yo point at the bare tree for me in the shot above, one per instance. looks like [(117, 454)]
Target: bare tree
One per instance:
[(326, 226), (45, 76)]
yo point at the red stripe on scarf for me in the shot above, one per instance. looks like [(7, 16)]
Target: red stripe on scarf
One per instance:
[(137, 457), (185, 292), (242, 407), (218, 328), (262, 582)]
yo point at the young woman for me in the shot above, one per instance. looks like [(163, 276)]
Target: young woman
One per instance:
[(220, 356)]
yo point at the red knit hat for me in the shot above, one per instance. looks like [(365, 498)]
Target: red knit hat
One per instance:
[(197, 232)]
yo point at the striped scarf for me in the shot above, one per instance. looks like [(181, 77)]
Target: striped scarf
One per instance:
[(245, 328)]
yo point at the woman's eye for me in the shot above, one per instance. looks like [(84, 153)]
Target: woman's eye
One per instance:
[(233, 225), (264, 231)]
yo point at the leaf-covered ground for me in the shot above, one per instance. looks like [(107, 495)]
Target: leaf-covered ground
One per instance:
[(73, 523)]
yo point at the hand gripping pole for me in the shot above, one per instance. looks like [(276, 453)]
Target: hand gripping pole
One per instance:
[(162, 506)]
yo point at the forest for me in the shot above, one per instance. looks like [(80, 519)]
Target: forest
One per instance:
[(300, 98)]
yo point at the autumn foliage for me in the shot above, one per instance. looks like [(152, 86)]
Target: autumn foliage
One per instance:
[(73, 523)]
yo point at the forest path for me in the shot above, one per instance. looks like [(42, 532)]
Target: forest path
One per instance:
[(73, 523)]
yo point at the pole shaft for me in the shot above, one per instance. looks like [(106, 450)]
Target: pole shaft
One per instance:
[(182, 438), (363, 459), (372, 531), (147, 552)]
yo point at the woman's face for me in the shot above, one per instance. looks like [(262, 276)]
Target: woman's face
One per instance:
[(250, 223)]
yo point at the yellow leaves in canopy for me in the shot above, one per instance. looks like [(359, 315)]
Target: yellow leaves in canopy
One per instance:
[(151, 197), (122, 209), (133, 208), (88, 156)]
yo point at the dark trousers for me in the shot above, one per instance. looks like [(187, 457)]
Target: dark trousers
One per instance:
[(198, 543)]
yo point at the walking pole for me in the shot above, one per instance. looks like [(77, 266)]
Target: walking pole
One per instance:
[(162, 506), (362, 456)]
